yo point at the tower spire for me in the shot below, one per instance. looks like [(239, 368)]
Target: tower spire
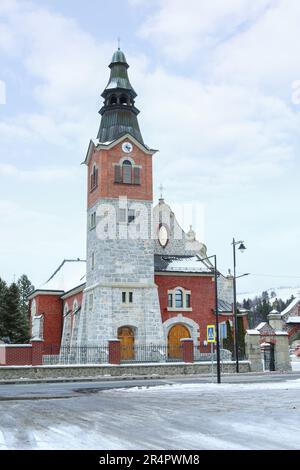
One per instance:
[(119, 114)]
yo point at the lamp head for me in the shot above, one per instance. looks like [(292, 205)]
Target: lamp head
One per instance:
[(242, 247)]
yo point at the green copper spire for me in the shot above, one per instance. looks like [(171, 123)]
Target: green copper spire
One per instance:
[(119, 114)]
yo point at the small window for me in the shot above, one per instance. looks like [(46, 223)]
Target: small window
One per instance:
[(124, 297), (122, 215), (94, 178), (127, 172), (93, 220), (131, 216), (130, 297), (223, 330), (93, 260), (179, 299), (170, 300), (188, 300), (113, 100), (124, 100)]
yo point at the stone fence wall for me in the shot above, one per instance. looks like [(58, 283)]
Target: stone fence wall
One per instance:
[(89, 371)]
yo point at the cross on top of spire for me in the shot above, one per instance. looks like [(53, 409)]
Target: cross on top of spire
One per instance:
[(119, 43), (161, 189)]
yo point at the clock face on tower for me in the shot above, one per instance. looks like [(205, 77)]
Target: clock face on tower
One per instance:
[(127, 147), (163, 236)]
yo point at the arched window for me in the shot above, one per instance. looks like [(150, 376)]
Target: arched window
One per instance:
[(127, 172), (33, 308), (124, 100), (179, 298), (113, 100), (94, 178), (75, 306)]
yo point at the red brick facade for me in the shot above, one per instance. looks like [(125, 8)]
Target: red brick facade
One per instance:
[(202, 290), (201, 311), (50, 306), (107, 188)]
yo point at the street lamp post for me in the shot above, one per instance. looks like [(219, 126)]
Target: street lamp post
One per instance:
[(217, 316), (242, 248)]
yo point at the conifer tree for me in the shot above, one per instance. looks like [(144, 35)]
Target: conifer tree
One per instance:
[(15, 325), (241, 337), (3, 293), (25, 289)]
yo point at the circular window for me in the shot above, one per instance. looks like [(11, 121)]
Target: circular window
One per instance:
[(163, 236)]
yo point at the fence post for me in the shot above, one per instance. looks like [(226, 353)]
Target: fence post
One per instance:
[(37, 352), (187, 350), (114, 351)]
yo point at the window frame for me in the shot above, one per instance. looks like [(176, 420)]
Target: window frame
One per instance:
[(119, 172), (127, 298), (94, 178), (185, 295)]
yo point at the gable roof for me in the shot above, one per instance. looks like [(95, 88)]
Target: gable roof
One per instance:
[(69, 274), (293, 304), (95, 144)]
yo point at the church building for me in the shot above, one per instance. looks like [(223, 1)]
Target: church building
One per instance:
[(145, 280)]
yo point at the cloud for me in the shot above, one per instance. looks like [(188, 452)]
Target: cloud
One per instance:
[(40, 175), (215, 99), (62, 63), (183, 28)]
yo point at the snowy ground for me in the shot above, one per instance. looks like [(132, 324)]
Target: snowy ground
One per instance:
[(173, 416)]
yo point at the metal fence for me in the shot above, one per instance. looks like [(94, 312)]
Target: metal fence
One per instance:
[(150, 353), (139, 353), (78, 355)]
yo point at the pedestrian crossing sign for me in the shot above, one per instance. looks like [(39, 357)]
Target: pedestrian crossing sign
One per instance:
[(211, 333)]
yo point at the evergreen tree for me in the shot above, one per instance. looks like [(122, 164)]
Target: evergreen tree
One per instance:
[(241, 337), (279, 305), (15, 325), (3, 294), (25, 289)]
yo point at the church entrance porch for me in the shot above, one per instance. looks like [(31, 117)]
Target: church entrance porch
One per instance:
[(126, 337), (176, 333)]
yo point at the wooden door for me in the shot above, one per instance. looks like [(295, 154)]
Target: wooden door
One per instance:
[(126, 336), (176, 333)]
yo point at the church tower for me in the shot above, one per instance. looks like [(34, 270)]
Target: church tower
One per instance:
[(120, 299)]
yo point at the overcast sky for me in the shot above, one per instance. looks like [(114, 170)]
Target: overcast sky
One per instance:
[(218, 86)]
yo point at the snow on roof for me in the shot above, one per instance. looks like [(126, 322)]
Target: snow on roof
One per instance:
[(293, 320), (186, 264), (189, 264), (70, 274), (261, 325), (291, 306)]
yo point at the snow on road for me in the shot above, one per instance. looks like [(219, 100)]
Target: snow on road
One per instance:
[(176, 416)]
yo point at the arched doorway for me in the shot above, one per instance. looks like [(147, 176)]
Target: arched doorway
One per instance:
[(176, 333), (126, 336)]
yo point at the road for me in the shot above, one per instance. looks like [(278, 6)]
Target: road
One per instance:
[(244, 412)]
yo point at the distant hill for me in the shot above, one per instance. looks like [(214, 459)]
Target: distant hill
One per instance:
[(283, 293)]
